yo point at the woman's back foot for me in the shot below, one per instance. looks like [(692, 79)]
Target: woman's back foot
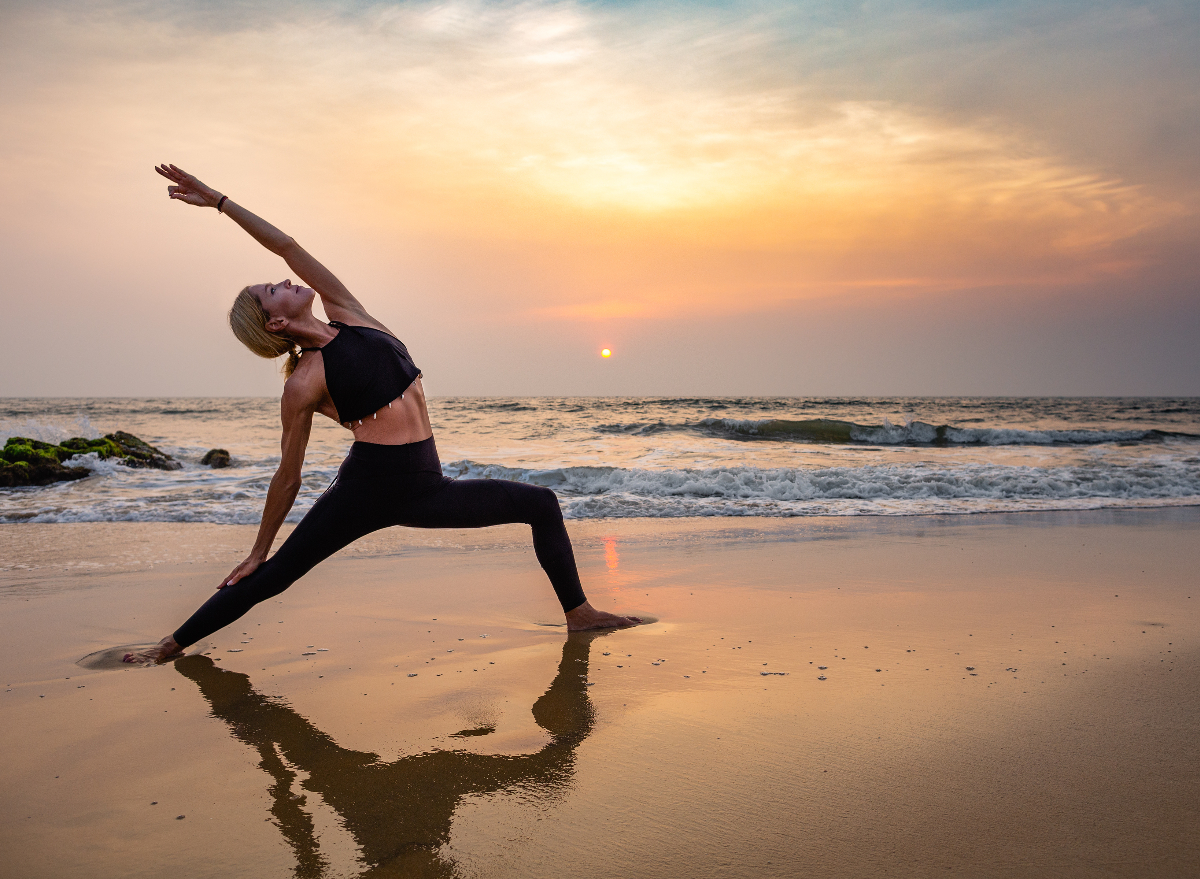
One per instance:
[(587, 617)]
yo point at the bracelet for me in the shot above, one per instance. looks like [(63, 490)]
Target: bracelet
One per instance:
[(221, 202)]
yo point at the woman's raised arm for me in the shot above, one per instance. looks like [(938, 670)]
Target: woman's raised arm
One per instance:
[(338, 301)]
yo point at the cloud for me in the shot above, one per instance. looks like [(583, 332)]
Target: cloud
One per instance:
[(570, 162)]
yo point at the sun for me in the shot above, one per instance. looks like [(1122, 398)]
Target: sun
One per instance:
[(605, 352)]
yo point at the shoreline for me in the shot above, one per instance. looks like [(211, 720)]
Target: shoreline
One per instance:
[(33, 552)]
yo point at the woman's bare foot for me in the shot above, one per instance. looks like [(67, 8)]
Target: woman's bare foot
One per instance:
[(161, 652), (587, 617)]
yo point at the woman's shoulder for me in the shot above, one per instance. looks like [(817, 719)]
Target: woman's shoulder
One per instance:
[(362, 322), (306, 384), (355, 318)]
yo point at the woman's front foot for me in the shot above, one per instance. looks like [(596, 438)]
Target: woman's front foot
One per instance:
[(587, 617), (159, 653)]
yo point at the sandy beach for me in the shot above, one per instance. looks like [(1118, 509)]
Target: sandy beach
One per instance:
[(1008, 695)]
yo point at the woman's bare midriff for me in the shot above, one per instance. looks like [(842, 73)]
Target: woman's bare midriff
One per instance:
[(404, 420)]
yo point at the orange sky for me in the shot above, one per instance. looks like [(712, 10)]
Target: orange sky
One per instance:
[(767, 198)]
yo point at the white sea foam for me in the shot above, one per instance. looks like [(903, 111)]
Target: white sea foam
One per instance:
[(589, 492), (93, 462)]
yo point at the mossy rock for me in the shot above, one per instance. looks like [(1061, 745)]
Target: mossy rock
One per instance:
[(216, 458), (139, 453), (104, 448), (20, 448), (25, 461), (26, 451), (43, 471)]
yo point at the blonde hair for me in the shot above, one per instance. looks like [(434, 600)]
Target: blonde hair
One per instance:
[(249, 323)]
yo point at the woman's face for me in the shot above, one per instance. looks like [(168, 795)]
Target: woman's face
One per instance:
[(283, 300)]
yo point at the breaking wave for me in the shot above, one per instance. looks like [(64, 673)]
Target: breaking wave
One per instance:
[(824, 430), (913, 489)]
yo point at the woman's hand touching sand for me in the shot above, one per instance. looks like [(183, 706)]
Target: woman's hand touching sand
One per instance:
[(188, 188), (245, 569)]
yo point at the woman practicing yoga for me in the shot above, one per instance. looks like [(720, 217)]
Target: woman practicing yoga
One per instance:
[(356, 372)]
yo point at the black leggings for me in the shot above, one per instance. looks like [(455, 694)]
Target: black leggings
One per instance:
[(379, 486)]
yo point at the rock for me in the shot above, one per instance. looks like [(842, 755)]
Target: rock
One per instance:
[(40, 472), (216, 458), (139, 453), (25, 461)]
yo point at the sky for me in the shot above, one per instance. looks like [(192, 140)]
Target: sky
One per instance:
[(758, 198)]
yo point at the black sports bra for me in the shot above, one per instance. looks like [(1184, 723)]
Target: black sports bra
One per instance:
[(365, 369)]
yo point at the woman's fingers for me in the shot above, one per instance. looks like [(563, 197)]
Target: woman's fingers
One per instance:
[(245, 569), (177, 175)]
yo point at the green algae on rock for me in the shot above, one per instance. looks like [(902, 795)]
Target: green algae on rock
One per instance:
[(25, 461), (139, 453), (216, 458)]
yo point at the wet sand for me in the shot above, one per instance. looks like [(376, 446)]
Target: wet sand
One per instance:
[(1002, 696)]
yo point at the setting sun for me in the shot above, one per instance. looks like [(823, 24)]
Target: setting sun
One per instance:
[(605, 352)]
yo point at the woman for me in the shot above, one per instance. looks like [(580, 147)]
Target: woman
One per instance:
[(356, 372)]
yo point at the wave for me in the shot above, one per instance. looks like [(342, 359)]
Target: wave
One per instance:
[(824, 430), (197, 494), (596, 492)]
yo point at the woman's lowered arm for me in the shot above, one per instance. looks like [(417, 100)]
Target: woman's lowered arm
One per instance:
[(297, 408)]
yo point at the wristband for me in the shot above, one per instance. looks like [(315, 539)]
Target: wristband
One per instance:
[(221, 202)]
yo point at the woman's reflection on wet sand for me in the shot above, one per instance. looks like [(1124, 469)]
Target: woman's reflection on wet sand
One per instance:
[(399, 813)]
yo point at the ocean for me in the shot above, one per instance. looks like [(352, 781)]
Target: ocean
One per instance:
[(618, 457)]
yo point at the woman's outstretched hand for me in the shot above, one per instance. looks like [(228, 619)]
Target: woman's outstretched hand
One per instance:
[(245, 569), (187, 188)]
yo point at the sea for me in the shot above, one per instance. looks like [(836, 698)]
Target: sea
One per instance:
[(617, 457)]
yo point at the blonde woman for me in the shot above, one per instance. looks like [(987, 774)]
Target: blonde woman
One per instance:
[(356, 372)]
